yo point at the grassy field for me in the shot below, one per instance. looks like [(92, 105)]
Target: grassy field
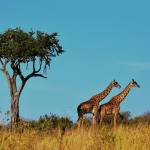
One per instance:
[(124, 138)]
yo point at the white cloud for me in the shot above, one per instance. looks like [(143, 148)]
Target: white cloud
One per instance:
[(136, 64)]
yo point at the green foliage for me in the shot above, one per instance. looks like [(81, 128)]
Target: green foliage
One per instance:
[(17, 46), (50, 122)]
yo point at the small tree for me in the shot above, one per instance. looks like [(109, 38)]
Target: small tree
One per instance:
[(30, 50)]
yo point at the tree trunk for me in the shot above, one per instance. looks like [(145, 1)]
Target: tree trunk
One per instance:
[(12, 84), (15, 109), (14, 94), (15, 97)]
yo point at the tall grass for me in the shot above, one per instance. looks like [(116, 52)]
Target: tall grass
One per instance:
[(124, 138)]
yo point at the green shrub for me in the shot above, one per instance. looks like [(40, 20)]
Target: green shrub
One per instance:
[(51, 122)]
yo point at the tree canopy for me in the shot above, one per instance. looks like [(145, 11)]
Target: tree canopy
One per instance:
[(17, 47)]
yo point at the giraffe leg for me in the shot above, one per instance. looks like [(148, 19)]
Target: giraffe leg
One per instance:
[(97, 118), (115, 120), (101, 115), (101, 120), (121, 117), (80, 120), (94, 118), (80, 116)]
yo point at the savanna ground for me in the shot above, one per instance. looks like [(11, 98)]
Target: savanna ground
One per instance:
[(52, 133), (125, 138)]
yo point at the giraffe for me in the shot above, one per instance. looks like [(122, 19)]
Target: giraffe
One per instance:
[(91, 106), (113, 106)]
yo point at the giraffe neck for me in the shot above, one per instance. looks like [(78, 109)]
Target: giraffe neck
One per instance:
[(124, 93), (103, 94)]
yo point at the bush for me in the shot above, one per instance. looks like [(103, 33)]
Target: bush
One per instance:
[(142, 119), (51, 122)]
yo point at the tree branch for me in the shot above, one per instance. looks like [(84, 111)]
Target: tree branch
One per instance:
[(39, 75), (20, 73), (33, 74), (14, 76), (21, 87), (2, 63), (34, 64), (4, 70), (40, 66)]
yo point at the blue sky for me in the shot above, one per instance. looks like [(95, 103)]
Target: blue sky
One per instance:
[(103, 40)]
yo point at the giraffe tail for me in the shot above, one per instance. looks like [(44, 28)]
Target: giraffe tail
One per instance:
[(79, 110)]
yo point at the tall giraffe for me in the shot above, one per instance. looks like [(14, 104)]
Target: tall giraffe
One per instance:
[(91, 106), (113, 106)]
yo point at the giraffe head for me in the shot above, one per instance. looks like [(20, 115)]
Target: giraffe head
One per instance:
[(134, 83), (116, 84)]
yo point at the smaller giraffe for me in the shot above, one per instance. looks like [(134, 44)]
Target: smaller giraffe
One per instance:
[(91, 106), (113, 106)]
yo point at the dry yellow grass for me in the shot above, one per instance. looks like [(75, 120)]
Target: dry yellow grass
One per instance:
[(124, 138)]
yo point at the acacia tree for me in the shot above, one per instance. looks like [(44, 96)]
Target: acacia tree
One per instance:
[(24, 55)]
